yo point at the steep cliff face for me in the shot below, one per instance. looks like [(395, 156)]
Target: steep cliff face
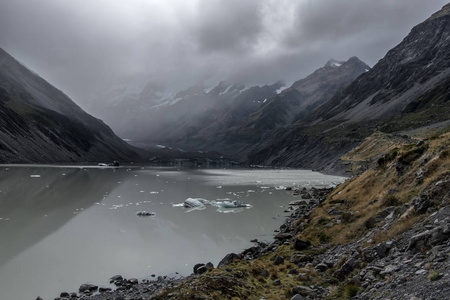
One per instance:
[(407, 89), (39, 123)]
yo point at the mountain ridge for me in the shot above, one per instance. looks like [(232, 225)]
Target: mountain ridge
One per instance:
[(405, 90)]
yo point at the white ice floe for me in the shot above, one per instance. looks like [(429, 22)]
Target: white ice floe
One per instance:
[(223, 205)]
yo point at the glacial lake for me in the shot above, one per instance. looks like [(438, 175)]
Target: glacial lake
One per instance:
[(62, 226)]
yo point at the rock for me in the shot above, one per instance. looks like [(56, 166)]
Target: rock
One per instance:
[(64, 295), (209, 266), (298, 203), (306, 196), (421, 272), (265, 273), (228, 259), (381, 250), (143, 213), (439, 235), (421, 203), (297, 258), (116, 278), (202, 269), (302, 276), (334, 212), (119, 298), (196, 267), (104, 289), (322, 267), (400, 168), (39, 298), (87, 287), (283, 236), (277, 282), (419, 241), (302, 290), (351, 264), (428, 238), (293, 272), (389, 269), (278, 260), (301, 245), (297, 297)]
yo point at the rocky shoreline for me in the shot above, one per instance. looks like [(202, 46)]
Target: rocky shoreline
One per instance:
[(127, 289)]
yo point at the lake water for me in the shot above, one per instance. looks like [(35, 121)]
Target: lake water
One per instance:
[(63, 226)]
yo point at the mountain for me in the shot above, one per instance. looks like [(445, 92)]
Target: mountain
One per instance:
[(308, 93), (291, 105), (408, 89), (39, 123), (151, 116), (256, 117), (228, 118)]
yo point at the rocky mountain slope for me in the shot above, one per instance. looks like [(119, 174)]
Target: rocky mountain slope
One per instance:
[(39, 123), (283, 109), (407, 89)]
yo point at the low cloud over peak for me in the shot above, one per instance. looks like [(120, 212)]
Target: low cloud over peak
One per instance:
[(81, 46)]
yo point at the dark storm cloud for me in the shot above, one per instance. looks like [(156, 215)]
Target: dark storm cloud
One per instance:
[(233, 27), (83, 46)]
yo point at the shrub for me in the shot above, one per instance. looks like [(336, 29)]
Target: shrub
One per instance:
[(324, 238), (434, 275), (347, 217), (391, 200), (350, 291)]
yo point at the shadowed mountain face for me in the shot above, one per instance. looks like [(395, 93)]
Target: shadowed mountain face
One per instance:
[(409, 88), (39, 123)]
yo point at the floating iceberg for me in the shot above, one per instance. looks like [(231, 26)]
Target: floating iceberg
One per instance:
[(229, 204), (195, 202), (223, 205)]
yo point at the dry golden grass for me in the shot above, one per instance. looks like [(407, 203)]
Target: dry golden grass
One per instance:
[(367, 195), (396, 229)]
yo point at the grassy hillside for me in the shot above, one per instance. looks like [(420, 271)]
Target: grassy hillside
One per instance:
[(403, 181)]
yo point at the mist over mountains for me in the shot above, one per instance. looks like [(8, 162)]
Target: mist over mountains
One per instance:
[(308, 124)]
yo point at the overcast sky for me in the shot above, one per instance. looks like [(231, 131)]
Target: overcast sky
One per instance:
[(81, 46)]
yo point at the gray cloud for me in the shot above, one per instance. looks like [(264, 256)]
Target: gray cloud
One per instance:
[(82, 46)]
